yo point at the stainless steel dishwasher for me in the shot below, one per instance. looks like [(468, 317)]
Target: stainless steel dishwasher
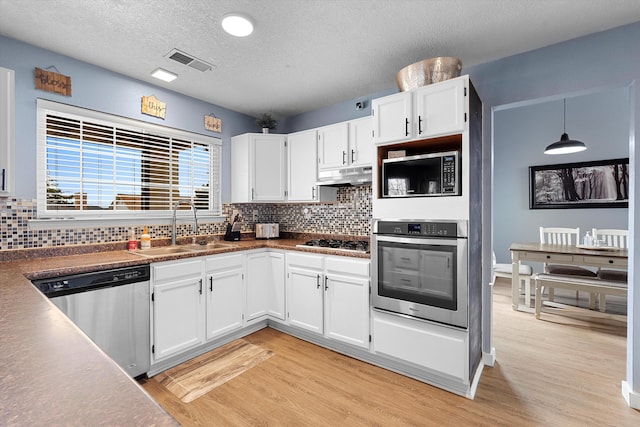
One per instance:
[(112, 308)]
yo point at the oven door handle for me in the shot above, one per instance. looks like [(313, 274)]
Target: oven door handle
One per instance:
[(419, 240)]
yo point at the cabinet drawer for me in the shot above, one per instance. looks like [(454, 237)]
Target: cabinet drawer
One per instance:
[(601, 261), (223, 262), (176, 269), (344, 265), (305, 260), (440, 349), (550, 258)]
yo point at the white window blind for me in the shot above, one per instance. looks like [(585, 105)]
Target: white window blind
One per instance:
[(92, 163)]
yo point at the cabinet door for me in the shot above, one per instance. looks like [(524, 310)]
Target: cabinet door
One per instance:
[(7, 132), (240, 171), (333, 146), (440, 108), (269, 167), (439, 348), (392, 118), (304, 298), (347, 309), (258, 278), (178, 316), (303, 166), (224, 301), (276, 290), (361, 145)]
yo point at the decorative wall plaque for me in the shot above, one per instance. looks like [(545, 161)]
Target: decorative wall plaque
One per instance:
[(51, 81), (212, 123), (153, 106)]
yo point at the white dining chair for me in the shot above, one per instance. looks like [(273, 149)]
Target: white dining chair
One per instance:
[(615, 238), (505, 270), (563, 236)]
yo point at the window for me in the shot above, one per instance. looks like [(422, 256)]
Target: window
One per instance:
[(92, 163)]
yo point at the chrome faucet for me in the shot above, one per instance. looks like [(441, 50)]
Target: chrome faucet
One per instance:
[(194, 226)]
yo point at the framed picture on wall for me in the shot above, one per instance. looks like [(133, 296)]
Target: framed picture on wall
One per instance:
[(597, 184)]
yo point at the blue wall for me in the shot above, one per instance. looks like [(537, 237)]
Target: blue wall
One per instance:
[(600, 120), (102, 90)]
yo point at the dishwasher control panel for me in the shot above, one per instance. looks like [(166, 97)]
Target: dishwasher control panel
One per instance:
[(65, 285)]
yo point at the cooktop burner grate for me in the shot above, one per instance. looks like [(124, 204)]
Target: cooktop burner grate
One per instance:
[(347, 245)]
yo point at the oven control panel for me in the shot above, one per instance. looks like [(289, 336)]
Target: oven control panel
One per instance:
[(421, 228)]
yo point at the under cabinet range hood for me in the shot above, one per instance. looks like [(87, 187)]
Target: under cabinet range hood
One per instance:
[(348, 176)]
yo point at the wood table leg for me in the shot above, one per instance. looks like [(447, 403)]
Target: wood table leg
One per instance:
[(515, 280)]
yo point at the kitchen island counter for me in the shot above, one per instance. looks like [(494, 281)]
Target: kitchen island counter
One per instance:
[(51, 372)]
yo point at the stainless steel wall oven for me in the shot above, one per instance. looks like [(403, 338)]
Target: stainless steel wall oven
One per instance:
[(420, 268)]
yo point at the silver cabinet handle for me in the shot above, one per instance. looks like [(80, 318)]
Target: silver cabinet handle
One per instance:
[(253, 193), (325, 283), (420, 125), (200, 286), (344, 157), (353, 154), (313, 193), (317, 281), (406, 127), (211, 284)]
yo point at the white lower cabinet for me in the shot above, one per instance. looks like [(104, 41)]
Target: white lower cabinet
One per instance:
[(178, 307), (347, 300), (330, 296), (224, 289), (437, 348), (305, 280), (265, 285)]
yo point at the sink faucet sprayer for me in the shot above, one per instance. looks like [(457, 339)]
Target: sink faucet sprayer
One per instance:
[(194, 226)]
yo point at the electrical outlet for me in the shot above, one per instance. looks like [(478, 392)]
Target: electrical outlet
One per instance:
[(255, 215)]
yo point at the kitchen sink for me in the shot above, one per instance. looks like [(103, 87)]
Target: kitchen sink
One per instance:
[(208, 246), (182, 249), (163, 250)]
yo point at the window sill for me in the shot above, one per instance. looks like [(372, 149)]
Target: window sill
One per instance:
[(84, 222)]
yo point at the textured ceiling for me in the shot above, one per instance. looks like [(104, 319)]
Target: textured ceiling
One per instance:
[(303, 54)]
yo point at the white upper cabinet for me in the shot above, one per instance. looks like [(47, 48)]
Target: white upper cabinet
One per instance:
[(433, 110), (333, 146), (303, 170), (258, 168), (346, 144), (392, 117), (440, 108), (361, 146)]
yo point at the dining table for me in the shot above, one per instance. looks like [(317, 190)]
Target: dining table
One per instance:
[(585, 256)]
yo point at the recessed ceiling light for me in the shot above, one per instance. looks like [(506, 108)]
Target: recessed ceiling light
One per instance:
[(237, 25), (165, 75)]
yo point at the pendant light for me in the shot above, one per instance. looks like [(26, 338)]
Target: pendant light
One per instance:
[(565, 145)]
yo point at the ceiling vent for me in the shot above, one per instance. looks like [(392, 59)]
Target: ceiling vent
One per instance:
[(189, 60)]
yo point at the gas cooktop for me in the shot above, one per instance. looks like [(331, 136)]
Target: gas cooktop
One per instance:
[(337, 244)]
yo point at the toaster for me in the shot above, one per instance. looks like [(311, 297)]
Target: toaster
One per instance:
[(267, 231)]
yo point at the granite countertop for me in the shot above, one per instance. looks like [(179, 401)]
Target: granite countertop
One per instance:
[(50, 371)]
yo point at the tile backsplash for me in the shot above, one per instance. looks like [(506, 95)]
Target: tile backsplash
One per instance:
[(349, 214)]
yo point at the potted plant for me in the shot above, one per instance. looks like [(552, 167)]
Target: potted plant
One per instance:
[(266, 122)]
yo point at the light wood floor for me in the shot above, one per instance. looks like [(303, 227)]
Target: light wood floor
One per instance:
[(556, 371)]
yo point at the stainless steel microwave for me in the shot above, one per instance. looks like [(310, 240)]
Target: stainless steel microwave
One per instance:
[(433, 174)]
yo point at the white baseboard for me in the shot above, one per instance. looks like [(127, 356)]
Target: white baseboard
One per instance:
[(632, 398), (489, 359)]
